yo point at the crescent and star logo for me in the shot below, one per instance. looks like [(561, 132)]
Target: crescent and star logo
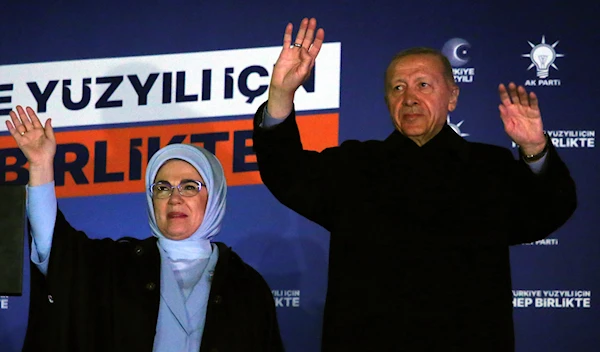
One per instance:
[(457, 51)]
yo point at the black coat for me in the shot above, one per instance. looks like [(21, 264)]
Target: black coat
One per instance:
[(103, 295), (419, 247)]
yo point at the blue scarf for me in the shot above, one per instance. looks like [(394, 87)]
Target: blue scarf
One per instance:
[(209, 167)]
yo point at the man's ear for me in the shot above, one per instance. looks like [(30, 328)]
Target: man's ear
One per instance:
[(454, 92)]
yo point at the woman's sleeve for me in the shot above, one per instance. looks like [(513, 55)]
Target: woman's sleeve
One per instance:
[(41, 211)]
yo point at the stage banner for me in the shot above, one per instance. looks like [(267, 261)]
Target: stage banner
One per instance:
[(121, 80)]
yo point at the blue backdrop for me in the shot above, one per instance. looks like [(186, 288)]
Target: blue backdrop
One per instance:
[(553, 280)]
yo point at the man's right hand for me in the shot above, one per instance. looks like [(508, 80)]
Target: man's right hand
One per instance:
[(293, 66), (37, 142)]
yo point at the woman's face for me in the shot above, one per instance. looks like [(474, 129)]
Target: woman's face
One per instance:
[(179, 217)]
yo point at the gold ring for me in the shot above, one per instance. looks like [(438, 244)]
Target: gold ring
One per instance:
[(297, 45)]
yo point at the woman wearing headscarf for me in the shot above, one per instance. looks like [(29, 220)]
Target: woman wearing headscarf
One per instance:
[(174, 291)]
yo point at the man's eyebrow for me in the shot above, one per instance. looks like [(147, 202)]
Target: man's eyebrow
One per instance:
[(397, 80)]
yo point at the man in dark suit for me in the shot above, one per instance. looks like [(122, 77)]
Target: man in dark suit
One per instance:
[(420, 222)]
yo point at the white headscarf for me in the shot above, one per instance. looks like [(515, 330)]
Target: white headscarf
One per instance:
[(208, 166)]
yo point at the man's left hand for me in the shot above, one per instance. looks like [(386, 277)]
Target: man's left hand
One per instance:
[(522, 119)]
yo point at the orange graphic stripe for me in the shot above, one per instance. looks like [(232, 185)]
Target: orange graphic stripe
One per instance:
[(113, 160)]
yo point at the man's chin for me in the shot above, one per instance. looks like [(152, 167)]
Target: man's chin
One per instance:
[(411, 131)]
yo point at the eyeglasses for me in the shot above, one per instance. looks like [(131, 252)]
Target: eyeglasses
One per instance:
[(187, 188)]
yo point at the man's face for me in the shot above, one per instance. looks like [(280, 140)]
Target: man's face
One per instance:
[(418, 96)]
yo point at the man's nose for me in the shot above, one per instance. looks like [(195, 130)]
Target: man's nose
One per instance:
[(410, 98)]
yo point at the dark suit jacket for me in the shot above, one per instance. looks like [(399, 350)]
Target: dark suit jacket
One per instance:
[(103, 295), (419, 248)]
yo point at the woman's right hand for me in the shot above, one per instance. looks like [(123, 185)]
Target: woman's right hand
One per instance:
[(37, 142)]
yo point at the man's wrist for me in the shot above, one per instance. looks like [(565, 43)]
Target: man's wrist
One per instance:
[(536, 156), (280, 104)]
